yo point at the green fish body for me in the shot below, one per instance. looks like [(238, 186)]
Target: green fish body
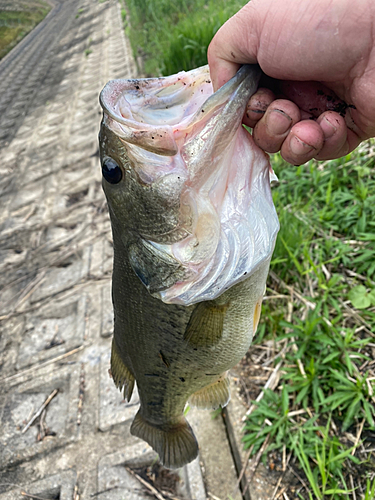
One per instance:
[(193, 232)]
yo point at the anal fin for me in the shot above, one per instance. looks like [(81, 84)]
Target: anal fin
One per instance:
[(212, 396), (122, 376), (175, 444), (205, 327)]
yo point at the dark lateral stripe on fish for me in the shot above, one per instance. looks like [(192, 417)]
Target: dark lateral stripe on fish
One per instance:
[(164, 359)]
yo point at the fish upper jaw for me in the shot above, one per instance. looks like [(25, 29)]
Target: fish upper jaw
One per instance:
[(145, 111)]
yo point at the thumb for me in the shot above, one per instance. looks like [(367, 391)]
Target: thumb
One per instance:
[(235, 43)]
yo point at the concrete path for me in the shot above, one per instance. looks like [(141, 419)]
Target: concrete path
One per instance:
[(55, 272)]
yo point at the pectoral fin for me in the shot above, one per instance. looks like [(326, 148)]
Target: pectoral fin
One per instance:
[(205, 327), (257, 311), (213, 395), (122, 376)]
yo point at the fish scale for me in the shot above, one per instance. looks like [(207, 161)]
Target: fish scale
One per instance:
[(191, 251)]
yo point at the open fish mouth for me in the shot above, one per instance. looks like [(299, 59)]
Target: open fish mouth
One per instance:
[(194, 190)]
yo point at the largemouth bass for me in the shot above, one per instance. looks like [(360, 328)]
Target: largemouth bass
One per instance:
[(194, 229)]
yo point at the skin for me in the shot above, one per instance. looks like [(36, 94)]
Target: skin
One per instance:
[(320, 57)]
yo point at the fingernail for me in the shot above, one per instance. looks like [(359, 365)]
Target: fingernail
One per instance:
[(299, 148), (329, 128), (278, 122), (257, 111)]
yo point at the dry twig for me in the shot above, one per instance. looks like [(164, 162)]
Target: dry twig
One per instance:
[(352, 485), (358, 437), (153, 490), (255, 464), (32, 369), (270, 384), (39, 412), (298, 477), (357, 317), (281, 478), (28, 495), (42, 426), (292, 290), (81, 394), (244, 467)]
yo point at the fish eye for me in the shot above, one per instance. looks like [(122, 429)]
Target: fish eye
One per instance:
[(112, 173)]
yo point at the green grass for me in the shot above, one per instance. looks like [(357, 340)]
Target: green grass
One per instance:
[(174, 36), (318, 318), (14, 25), (323, 269)]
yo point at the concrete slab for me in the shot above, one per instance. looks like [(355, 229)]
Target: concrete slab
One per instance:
[(215, 454), (261, 485), (56, 486)]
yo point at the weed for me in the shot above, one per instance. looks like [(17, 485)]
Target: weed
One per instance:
[(370, 490), (361, 297), (326, 237), (174, 36), (88, 51), (326, 478), (216, 413), (14, 25), (353, 397)]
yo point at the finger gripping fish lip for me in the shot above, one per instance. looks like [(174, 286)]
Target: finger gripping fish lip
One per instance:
[(183, 141)]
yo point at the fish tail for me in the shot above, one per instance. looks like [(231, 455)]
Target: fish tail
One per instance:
[(175, 444), (122, 376)]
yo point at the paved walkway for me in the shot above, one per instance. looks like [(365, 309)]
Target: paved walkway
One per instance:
[(55, 272)]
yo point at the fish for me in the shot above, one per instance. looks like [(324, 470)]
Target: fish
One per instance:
[(194, 228)]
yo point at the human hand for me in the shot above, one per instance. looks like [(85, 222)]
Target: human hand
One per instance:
[(320, 100)]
